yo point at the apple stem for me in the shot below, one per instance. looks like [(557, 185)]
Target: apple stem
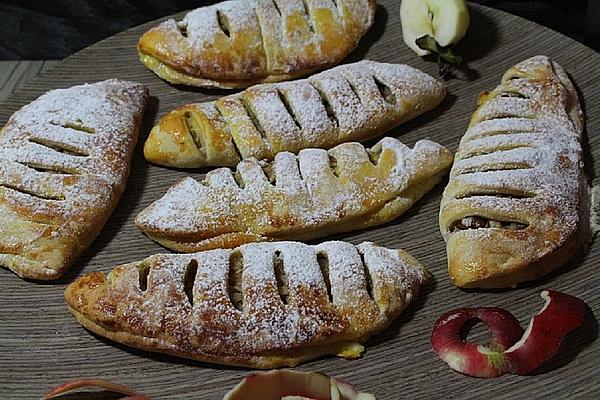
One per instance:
[(445, 56)]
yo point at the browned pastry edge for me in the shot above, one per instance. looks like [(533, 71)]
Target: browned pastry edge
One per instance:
[(289, 358), (176, 77), (524, 271)]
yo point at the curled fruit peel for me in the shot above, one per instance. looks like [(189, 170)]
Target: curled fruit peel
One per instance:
[(97, 383), (511, 350), (482, 361)]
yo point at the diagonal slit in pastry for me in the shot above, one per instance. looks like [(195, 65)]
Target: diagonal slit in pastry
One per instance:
[(483, 167), (480, 222), (235, 288), (75, 125), (354, 89), (283, 321), (281, 277), (288, 108), (143, 272), (505, 192), (42, 195), (385, 91), (188, 280), (253, 117), (195, 129), (308, 16), (323, 261), (224, 23), (475, 152), (60, 147), (328, 109), (51, 169)]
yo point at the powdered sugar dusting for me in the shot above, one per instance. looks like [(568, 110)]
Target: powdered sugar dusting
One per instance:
[(335, 106), (79, 140), (209, 327), (306, 193), (521, 159), (262, 38)]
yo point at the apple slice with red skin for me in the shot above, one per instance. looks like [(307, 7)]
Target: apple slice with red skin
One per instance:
[(290, 384), (94, 382), (511, 350)]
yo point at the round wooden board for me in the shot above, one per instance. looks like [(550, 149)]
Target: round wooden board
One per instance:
[(41, 345)]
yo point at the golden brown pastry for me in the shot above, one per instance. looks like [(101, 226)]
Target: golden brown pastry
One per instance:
[(351, 102), (236, 44), (302, 197), (64, 162), (262, 305), (517, 204)]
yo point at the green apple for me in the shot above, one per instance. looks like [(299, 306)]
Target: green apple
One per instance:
[(446, 21)]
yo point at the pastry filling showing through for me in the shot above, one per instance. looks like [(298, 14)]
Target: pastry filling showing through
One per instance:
[(477, 222), (504, 112)]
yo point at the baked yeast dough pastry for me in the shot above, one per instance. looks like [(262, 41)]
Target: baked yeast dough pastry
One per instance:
[(351, 102), (517, 204), (64, 162), (240, 43), (262, 305), (302, 197)]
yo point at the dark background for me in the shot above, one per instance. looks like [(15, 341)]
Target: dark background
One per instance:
[(55, 29)]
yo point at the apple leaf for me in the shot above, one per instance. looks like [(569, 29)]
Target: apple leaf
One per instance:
[(445, 53)]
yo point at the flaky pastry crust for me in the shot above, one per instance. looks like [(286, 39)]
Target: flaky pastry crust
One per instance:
[(64, 163), (239, 43), (517, 204), (262, 305), (352, 102), (314, 194)]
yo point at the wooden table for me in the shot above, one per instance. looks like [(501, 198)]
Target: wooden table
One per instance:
[(13, 74)]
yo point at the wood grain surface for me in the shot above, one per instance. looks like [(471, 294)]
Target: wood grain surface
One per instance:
[(41, 345), (14, 74)]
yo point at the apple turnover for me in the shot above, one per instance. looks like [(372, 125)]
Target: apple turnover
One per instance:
[(351, 102), (314, 194), (236, 44), (517, 204), (262, 305), (64, 163)]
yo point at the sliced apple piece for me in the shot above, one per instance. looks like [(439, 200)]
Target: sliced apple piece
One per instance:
[(512, 350), (446, 21), (287, 384)]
